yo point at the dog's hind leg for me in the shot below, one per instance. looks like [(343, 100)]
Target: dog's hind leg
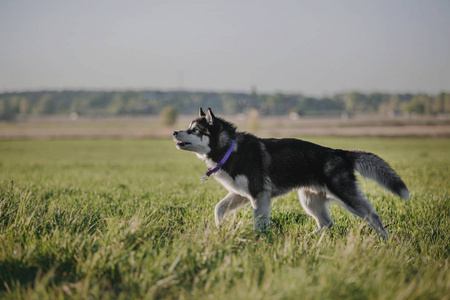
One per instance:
[(315, 204), (227, 205), (354, 201)]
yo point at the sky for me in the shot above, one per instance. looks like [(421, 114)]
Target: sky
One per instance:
[(308, 47)]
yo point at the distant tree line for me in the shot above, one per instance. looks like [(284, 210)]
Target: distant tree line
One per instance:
[(115, 103)]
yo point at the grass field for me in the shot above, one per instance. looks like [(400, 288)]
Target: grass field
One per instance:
[(131, 219)]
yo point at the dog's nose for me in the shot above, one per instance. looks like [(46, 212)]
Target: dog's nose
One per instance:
[(175, 133)]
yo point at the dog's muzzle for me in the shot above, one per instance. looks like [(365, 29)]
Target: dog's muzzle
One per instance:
[(179, 143)]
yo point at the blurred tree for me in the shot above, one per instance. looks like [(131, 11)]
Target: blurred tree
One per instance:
[(418, 105), (428, 104), (169, 115), (441, 103), (230, 104), (24, 106), (253, 120), (446, 103), (9, 108), (45, 106), (351, 102), (274, 104), (394, 103), (115, 106)]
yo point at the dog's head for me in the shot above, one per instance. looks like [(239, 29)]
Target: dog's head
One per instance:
[(197, 137), (204, 133)]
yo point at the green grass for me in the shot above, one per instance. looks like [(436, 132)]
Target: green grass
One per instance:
[(131, 219)]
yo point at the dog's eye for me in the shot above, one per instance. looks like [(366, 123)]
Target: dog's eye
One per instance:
[(193, 130)]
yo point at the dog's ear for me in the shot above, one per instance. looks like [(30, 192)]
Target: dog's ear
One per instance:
[(201, 113), (210, 116)]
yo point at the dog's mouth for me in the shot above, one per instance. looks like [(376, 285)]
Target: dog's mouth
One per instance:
[(182, 144)]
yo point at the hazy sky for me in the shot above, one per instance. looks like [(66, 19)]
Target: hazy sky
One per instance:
[(311, 47)]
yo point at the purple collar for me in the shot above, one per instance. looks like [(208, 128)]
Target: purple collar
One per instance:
[(220, 164)]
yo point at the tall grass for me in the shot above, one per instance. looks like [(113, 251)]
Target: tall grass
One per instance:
[(131, 219)]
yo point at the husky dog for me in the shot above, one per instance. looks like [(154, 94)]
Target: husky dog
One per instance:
[(255, 170)]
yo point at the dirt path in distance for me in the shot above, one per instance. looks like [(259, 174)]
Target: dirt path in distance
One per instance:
[(150, 127)]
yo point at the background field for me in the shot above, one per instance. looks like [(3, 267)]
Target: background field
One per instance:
[(131, 219)]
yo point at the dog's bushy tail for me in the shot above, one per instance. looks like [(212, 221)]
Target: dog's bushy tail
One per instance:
[(373, 167)]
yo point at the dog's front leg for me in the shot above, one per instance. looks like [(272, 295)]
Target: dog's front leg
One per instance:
[(261, 211), (228, 204)]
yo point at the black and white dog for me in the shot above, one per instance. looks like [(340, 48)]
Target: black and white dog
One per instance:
[(255, 170)]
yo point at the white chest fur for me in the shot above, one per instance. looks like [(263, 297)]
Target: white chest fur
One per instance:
[(238, 185)]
